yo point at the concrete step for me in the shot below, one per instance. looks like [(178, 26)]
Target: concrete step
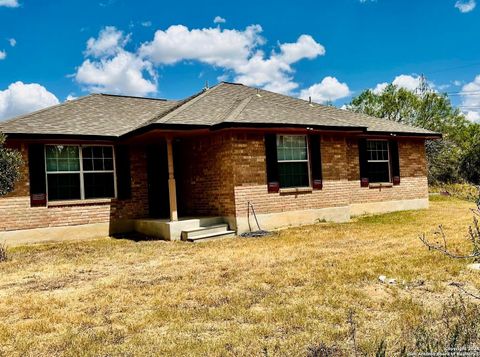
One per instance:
[(211, 236), (203, 230)]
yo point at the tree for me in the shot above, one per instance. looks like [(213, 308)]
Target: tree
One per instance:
[(470, 165), (10, 162), (432, 111)]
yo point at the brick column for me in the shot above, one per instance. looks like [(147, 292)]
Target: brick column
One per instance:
[(172, 189)]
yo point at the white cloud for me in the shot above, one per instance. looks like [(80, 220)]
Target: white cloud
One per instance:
[(457, 83), (233, 50), (442, 87), (3, 55), (110, 68), (121, 74), (471, 99), (219, 20), (71, 97), (212, 45), (380, 87), (20, 98), (9, 3), (472, 116), (329, 89), (12, 42), (465, 6), (109, 42), (405, 81), (146, 23), (305, 47)]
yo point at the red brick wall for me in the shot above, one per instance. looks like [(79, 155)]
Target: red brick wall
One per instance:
[(220, 172), (204, 175), (16, 213), (137, 205), (251, 181), (340, 169), (413, 173)]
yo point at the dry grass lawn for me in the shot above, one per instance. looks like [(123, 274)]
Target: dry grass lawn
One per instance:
[(269, 296)]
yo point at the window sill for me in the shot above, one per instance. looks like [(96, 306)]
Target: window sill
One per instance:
[(93, 201), (296, 190), (380, 185)]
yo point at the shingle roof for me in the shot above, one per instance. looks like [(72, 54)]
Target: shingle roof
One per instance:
[(95, 114), (226, 104), (236, 103)]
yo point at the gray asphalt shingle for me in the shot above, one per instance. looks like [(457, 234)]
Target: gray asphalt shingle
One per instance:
[(225, 103), (95, 114)]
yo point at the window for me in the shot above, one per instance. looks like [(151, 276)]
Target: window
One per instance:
[(378, 161), (79, 172), (292, 156)]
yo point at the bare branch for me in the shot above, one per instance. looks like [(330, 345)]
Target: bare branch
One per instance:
[(443, 236), (461, 288), (353, 330), (445, 251)]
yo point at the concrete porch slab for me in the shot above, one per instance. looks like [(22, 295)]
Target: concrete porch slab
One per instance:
[(168, 230)]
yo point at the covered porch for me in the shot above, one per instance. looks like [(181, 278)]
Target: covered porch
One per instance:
[(180, 200)]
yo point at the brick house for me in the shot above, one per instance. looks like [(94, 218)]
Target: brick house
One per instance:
[(106, 164)]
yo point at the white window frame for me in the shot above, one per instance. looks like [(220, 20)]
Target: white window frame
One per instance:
[(307, 160), (388, 157), (82, 172)]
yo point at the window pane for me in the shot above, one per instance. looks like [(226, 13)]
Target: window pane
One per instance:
[(87, 164), (87, 152), (107, 152), (291, 147), (99, 185), (108, 164), (378, 172), (377, 150), (63, 187), (63, 164), (97, 158), (97, 151), (52, 165), (62, 158), (98, 164), (293, 174)]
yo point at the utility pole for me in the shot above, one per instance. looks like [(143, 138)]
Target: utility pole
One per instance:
[(423, 87)]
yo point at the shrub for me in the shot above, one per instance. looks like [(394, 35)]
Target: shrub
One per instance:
[(322, 350), (10, 162), (461, 191), (458, 328), (3, 253), (470, 165)]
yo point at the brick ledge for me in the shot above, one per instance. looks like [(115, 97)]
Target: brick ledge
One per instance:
[(94, 201)]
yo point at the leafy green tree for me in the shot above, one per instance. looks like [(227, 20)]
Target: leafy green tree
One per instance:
[(10, 162), (470, 165), (432, 111)]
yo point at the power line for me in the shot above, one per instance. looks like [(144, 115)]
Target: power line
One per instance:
[(465, 91), (463, 94), (454, 68)]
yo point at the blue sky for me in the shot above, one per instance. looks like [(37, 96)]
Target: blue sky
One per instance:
[(329, 50)]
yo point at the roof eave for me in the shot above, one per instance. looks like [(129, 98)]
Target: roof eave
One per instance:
[(226, 125), (431, 135), (38, 136), (147, 128)]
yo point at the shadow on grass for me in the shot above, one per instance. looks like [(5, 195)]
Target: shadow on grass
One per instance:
[(402, 217), (136, 237)]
